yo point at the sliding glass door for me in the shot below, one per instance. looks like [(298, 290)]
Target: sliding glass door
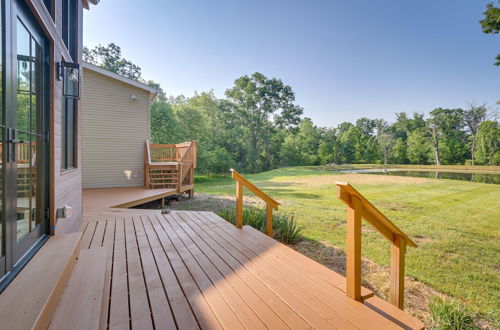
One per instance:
[(24, 147)]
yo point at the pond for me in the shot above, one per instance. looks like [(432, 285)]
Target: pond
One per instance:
[(464, 176)]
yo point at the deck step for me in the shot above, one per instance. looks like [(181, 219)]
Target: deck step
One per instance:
[(29, 301), (81, 301), (394, 314)]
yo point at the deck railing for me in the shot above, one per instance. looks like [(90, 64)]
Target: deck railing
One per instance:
[(163, 152), (162, 159), (359, 207), (270, 203), (22, 152)]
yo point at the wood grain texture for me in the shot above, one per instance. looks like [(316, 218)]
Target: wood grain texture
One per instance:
[(191, 270), (37, 288), (81, 301)]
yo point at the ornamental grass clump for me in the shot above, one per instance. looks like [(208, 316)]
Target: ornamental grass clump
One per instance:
[(285, 227), (449, 314)]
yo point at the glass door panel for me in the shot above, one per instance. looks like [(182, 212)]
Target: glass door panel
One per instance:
[(28, 132), (23, 149), (2, 240)]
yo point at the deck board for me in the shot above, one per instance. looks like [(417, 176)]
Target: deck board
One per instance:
[(160, 307), (292, 271), (119, 305), (191, 270)]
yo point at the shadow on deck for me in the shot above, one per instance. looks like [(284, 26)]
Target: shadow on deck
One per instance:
[(140, 269), (194, 269)]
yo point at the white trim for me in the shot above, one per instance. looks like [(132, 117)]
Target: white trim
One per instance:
[(118, 77)]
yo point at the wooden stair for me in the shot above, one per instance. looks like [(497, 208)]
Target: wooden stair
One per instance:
[(30, 300), (81, 302), (163, 177)]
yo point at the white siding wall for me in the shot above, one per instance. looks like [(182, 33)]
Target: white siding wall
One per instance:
[(114, 130)]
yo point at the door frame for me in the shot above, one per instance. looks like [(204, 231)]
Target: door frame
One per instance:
[(17, 254)]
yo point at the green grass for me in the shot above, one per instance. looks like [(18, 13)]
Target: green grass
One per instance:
[(451, 315), (456, 223)]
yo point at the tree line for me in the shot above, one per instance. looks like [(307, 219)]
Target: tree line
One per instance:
[(242, 132), (258, 126)]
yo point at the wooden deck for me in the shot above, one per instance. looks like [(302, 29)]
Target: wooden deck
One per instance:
[(191, 270), (109, 198), (140, 269)]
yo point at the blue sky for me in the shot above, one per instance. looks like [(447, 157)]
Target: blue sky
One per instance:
[(343, 59)]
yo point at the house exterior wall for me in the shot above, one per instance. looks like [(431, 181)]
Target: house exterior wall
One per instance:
[(114, 130), (65, 186)]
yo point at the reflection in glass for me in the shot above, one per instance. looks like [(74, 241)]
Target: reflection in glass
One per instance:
[(35, 81), (23, 164), (29, 131), (35, 215), (23, 77), (1, 189)]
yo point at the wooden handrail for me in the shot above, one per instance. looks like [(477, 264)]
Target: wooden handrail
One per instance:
[(359, 207), (270, 203)]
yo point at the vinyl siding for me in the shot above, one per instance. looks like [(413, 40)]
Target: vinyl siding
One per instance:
[(114, 130)]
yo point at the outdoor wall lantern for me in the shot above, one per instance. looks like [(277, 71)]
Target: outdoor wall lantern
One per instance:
[(69, 73)]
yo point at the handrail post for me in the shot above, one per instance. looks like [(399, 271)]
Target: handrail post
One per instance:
[(353, 263), (179, 177), (269, 220), (398, 251), (239, 204), (147, 161)]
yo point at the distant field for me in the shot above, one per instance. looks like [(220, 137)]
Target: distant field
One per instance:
[(455, 223), (450, 168)]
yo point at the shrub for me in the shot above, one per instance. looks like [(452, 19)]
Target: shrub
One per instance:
[(451, 315), (285, 227), (253, 217)]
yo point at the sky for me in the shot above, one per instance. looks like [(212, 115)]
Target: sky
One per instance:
[(343, 59)]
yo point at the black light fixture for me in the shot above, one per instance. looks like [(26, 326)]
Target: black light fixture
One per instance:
[(69, 73)]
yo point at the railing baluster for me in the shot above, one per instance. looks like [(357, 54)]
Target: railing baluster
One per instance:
[(269, 220), (398, 251), (353, 262), (239, 204)]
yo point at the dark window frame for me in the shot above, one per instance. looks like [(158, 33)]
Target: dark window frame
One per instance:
[(69, 134), (70, 26)]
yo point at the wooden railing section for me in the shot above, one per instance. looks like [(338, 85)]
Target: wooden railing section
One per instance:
[(270, 203), (358, 207), (170, 165), (22, 152)]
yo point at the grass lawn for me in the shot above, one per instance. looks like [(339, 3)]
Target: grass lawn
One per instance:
[(455, 223)]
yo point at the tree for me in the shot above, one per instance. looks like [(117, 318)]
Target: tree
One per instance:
[(110, 58), (164, 125), (419, 149), (386, 142), (328, 150), (445, 129), (491, 22), (473, 118), (263, 104), (488, 145), (160, 93)]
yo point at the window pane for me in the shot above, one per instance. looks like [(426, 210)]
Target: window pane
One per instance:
[(35, 194), (64, 135), (23, 77), (23, 164), (1, 191), (71, 133), (36, 125)]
